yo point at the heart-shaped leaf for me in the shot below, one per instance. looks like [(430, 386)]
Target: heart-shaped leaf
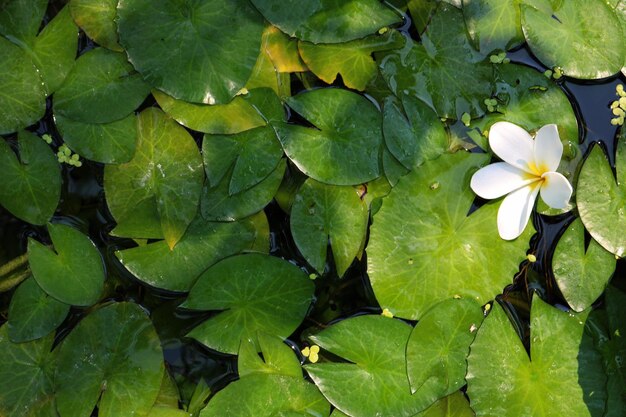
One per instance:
[(327, 21), (75, 273), (454, 405), (112, 359), (494, 24), (444, 70), (253, 155), (101, 88), (352, 60), (31, 186), (202, 52), (589, 27), (33, 313), (582, 273), (259, 293), (21, 19), (97, 19), (601, 200), (278, 358), (203, 244), (423, 247), (439, 344), (156, 194), (328, 214), (502, 379), (373, 381), (109, 143), (343, 145), (26, 374)]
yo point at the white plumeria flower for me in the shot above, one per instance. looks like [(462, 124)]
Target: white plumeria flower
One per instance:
[(529, 167)]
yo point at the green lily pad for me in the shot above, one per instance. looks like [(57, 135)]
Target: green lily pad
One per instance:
[(109, 143), (101, 88), (413, 132), (97, 19), (253, 155), (26, 375), (328, 214), (454, 405), (31, 186), (439, 344), (74, 272), (278, 358), (444, 70), (156, 194), (502, 379), (33, 313), (259, 293), (601, 200), (582, 273), (160, 411), (343, 146), (195, 51), (494, 24), (530, 100), (112, 359), (283, 51), (423, 248), (327, 21), (584, 38), (23, 98), (203, 244), (20, 19), (352, 60), (218, 204), (421, 13), (374, 380), (222, 119), (271, 395)]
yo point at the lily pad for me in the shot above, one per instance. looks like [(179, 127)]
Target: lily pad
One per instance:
[(218, 204), (283, 51), (74, 272), (203, 244), (97, 19), (328, 214), (202, 52), (23, 98), (26, 375), (454, 405), (270, 395), (327, 21), (31, 186), (253, 155), (21, 19), (413, 132), (374, 380), (352, 60), (33, 313), (423, 248), (582, 273), (112, 359), (109, 143), (278, 358), (343, 145), (590, 28), (444, 71), (502, 379), (439, 344), (156, 194), (259, 293), (601, 200), (101, 88), (494, 24)]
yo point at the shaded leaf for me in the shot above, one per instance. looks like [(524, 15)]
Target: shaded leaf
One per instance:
[(97, 19)]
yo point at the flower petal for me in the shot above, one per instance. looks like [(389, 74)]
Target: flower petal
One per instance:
[(548, 149), (498, 179), (513, 145), (515, 210), (555, 190)]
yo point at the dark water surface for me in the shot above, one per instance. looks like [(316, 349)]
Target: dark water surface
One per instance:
[(85, 208)]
